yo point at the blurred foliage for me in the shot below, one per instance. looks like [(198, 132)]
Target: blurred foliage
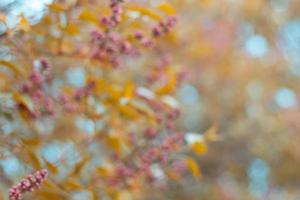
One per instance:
[(89, 94), (242, 66)]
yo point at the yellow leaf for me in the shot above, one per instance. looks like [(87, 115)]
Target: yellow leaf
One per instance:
[(71, 184), (43, 194), (57, 7), (72, 29), (95, 195), (172, 37), (51, 167), (88, 16), (3, 85), (114, 142), (128, 111), (103, 171), (3, 81), (34, 160), (199, 148), (50, 185), (114, 92), (170, 85), (24, 24), (100, 84), (10, 66), (115, 195), (193, 167), (129, 90), (31, 142), (47, 20), (167, 8), (79, 166), (23, 100), (211, 134)]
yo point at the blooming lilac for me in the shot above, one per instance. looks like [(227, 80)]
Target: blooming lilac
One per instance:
[(28, 184)]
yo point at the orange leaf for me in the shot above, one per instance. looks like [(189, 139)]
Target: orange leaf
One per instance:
[(72, 29), (31, 142), (88, 16), (170, 85), (52, 168), (23, 100), (43, 194), (95, 195), (114, 92), (128, 111), (50, 185), (114, 142), (193, 167), (34, 160), (79, 166), (129, 90), (10, 66), (57, 7), (167, 8), (71, 184), (24, 24), (103, 171), (199, 148)]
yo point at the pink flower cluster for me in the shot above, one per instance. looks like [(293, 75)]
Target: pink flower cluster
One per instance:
[(84, 91), (165, 116), (145, 41), (110, 47), (179, 167), (70, 101), (158, 73), (115, 18), (157, 150), (43, 104), (164, 26), (28, 184)]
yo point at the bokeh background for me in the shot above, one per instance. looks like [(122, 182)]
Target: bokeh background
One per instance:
[(245, 77), (242, 61)]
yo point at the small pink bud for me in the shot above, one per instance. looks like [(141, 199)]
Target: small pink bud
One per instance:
[(96, 35), (104, 20), (125, 47), (138, 35), (151, 133), (26, 86), (36, 78), (156, 31), (147, 43)]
